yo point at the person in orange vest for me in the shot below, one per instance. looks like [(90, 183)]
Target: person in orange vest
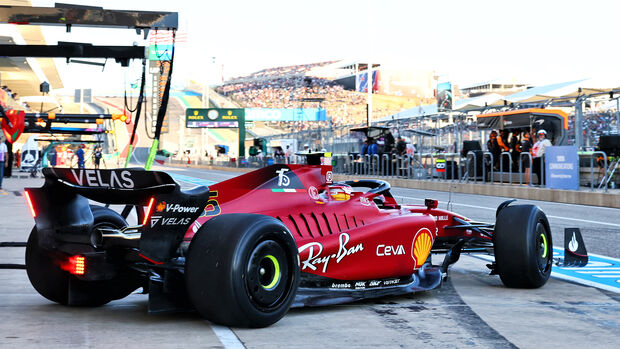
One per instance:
[(502, 142)]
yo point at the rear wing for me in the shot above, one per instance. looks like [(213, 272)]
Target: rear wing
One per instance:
[(117, 186), (62, 213)]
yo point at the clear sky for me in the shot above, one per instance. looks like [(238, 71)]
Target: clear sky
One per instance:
[(542, 41)]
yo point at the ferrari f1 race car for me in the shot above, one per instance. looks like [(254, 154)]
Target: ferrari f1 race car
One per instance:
[(243, 251)]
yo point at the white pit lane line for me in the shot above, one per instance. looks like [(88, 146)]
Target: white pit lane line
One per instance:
[(228, 338)]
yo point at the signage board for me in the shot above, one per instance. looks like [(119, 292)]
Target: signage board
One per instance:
[(444, 96), (562, 167)]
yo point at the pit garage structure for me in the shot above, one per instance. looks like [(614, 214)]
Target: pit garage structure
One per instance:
[(76, 15)]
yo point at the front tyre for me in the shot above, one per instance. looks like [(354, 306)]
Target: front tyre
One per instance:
[(523, 246), (242, 270)]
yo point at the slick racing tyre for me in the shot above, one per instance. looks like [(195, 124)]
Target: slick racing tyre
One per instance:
[(54, 283), (523, 246), (242, 270)]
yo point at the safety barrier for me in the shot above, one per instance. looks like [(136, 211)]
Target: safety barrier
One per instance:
[(446, 167)]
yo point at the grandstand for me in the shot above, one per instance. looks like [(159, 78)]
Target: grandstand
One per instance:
[(317, 85)]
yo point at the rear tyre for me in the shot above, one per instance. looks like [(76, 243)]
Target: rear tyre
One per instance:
[(523, 246), (54, 283), (242, 270)]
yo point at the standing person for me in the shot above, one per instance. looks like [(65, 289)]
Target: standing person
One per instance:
[(80, 156), (3, 159), (364, 149), (526, 147), (538, 151), (494, 149), (515, 149), (97, 157), (18, 159), (401, 146)]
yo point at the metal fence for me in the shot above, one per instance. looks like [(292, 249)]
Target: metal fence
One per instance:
[(476, 167)]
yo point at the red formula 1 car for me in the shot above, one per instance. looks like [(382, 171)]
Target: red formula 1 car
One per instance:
[(243, 251)]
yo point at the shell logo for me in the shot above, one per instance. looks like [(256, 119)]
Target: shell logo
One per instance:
[(230, 112), (161, 206), (421, 246), (195, 112)]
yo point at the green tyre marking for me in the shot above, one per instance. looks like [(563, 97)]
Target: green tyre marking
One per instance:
[(544, 239), (276, 274)]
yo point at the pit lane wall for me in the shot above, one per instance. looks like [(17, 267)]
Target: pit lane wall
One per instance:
[(579, 197)]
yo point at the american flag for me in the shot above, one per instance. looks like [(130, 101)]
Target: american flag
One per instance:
[(165, 37)]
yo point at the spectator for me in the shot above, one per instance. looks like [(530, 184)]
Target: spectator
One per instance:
[(80, 156), (538, 152), (97, 155)]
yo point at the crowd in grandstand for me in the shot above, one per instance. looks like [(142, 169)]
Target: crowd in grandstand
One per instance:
[(13, 95), (289, 87), (594, 124), (285, 71)]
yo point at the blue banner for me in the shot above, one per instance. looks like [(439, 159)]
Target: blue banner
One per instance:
[(275, 114), (562, 167)]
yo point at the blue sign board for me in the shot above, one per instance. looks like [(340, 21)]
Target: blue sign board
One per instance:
[(293, 114), (160, 52), (562, 167)]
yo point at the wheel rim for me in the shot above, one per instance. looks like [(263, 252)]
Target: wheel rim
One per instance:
[(543, 249), (267, 275)]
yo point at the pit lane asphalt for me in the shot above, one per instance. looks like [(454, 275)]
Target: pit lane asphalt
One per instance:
[(471, 309)]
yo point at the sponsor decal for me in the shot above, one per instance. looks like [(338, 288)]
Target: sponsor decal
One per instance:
[(112, 179), (213, 206), (573, 245), (389, 250), (441, 218), (315, 251), (391, 282), (175, 221), (329, 177), (160, 206), (440, 165), (154, 220), (180, 209), (313, 193), (283, 180), (421, 246), (169, 221), (364, 284), (365, 201)]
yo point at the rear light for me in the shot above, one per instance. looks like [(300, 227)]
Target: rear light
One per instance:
[(29, 200), (75, 265), (149, 210)]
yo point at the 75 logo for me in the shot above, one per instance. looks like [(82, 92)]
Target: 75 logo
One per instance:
[(213, 206)]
